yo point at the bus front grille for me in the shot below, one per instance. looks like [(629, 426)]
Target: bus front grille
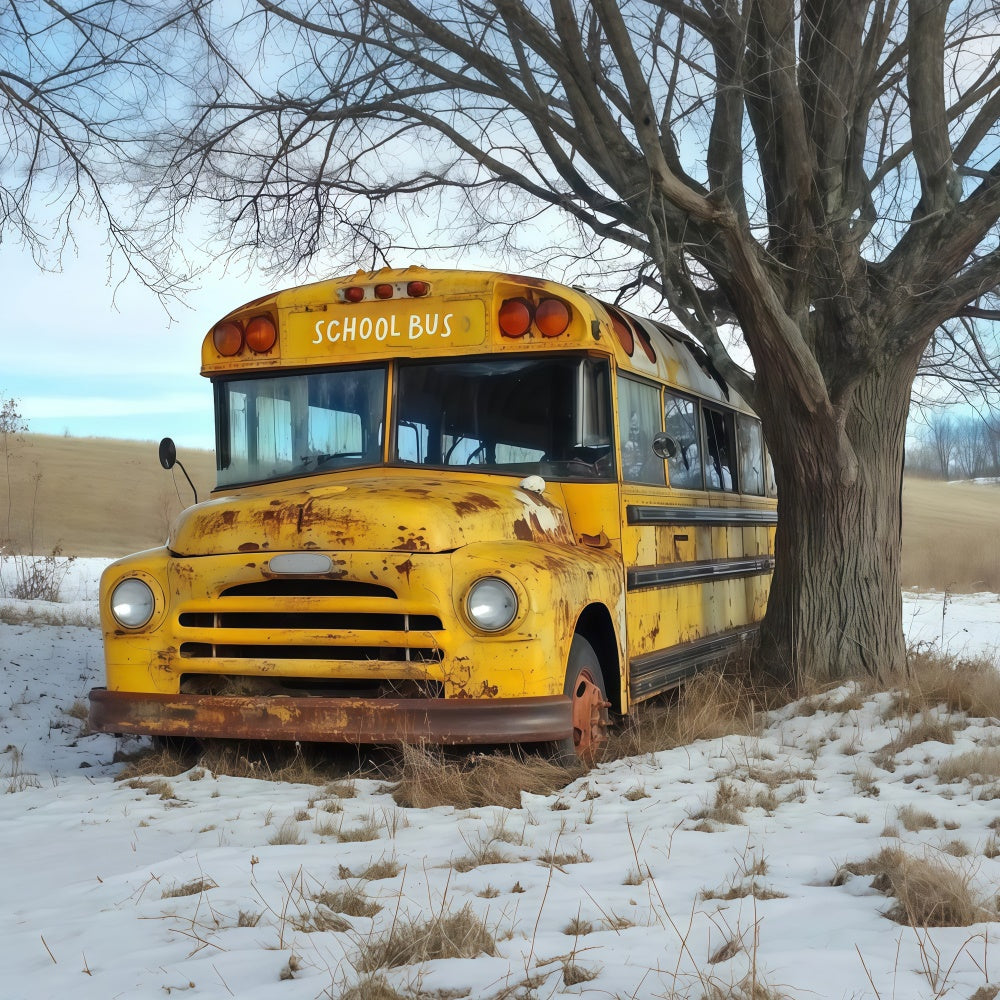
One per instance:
[(309, 619)]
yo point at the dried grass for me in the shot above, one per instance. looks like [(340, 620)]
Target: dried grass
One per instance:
[(927, 729), (384, 868), (154, 786), (429, 779), (727, 807), (353, 902), (319, 920), (578, 927), (976, 766), (747, 988), (488, 854), (462, 934), (192, 888), (288, 833), (710, 705), (369, 829), (865, 783), (559, 859), (573, 974), (970, 685), (986, 992), (928, 891), (157, 760), (373, 988), (294, 763), (729, 950), (914, 819), (743, 889)]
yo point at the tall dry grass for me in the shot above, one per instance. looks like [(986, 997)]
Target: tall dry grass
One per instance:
[(426, 778), (927, 891)]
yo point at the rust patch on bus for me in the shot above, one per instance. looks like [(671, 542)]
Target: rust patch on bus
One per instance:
[(412, 543), (474, 502), (522, 530), (404, 569)]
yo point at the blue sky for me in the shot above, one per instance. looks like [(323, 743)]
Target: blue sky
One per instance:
[(87, 355)]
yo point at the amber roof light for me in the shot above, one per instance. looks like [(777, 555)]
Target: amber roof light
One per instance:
[(261, 334), (514, 317), (552, 317), (228, 338)]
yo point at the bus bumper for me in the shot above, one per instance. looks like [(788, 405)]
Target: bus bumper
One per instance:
[(333, 720)]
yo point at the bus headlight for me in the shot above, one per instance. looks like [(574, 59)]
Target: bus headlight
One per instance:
[(132, 603), (491, 604)]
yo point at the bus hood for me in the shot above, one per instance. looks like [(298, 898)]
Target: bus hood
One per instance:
[(392, 514)]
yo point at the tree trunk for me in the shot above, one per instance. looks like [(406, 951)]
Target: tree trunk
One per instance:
[(836, 610)]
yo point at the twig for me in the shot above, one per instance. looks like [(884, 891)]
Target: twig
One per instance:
[(49, 950)]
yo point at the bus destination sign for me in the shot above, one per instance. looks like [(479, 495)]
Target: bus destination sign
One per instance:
[(371, 328)]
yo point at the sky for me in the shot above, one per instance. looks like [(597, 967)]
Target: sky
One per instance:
[(207, 887), (88, 355)]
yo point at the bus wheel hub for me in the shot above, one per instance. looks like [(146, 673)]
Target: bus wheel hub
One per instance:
[(590, 716)]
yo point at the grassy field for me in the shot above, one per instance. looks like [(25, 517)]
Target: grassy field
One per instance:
[(94, 496), (100, 497), (951, 535)]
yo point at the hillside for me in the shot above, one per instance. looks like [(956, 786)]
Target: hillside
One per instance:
[(102, 497), (951, 535), (94, 496)]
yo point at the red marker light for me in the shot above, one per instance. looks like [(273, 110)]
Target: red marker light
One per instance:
[(418, 289), (383, 291), (354, 294)]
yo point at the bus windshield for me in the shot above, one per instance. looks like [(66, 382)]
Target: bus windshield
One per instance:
[(294, 425), (550, 416)]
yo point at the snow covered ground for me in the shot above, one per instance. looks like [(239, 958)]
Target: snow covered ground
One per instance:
[(637, 899)]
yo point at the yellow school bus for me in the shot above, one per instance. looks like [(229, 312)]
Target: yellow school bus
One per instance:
[(452, 507)]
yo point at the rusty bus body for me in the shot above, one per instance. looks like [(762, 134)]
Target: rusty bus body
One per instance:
[(452, 507)]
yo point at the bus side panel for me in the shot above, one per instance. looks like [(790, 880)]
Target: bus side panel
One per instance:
[(697, 574)]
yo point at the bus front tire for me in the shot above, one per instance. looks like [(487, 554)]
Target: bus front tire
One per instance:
[(585, 686)]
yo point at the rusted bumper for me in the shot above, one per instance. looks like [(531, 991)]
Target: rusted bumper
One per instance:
[(333, 720)]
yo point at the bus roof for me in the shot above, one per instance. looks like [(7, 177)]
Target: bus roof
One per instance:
[(420, 312)]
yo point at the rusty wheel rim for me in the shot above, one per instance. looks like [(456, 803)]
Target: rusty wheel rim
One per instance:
[(590, 717)]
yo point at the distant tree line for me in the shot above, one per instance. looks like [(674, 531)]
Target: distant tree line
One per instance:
[(950, 446)]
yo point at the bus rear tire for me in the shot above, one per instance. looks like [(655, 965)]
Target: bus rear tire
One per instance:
[(585, 686)]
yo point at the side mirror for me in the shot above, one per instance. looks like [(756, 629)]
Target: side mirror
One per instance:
[(664, 446), (168, 459), (168, 453)]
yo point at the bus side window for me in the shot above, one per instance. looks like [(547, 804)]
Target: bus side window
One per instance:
[(682, 425), (751, 446), (720, 451), (638, 424)]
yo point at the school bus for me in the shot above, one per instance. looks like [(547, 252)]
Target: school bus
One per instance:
[(452, 507)]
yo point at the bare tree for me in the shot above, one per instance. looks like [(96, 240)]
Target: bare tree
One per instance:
[(942, 437), (80, 84), (972, 447), (825, 172)]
